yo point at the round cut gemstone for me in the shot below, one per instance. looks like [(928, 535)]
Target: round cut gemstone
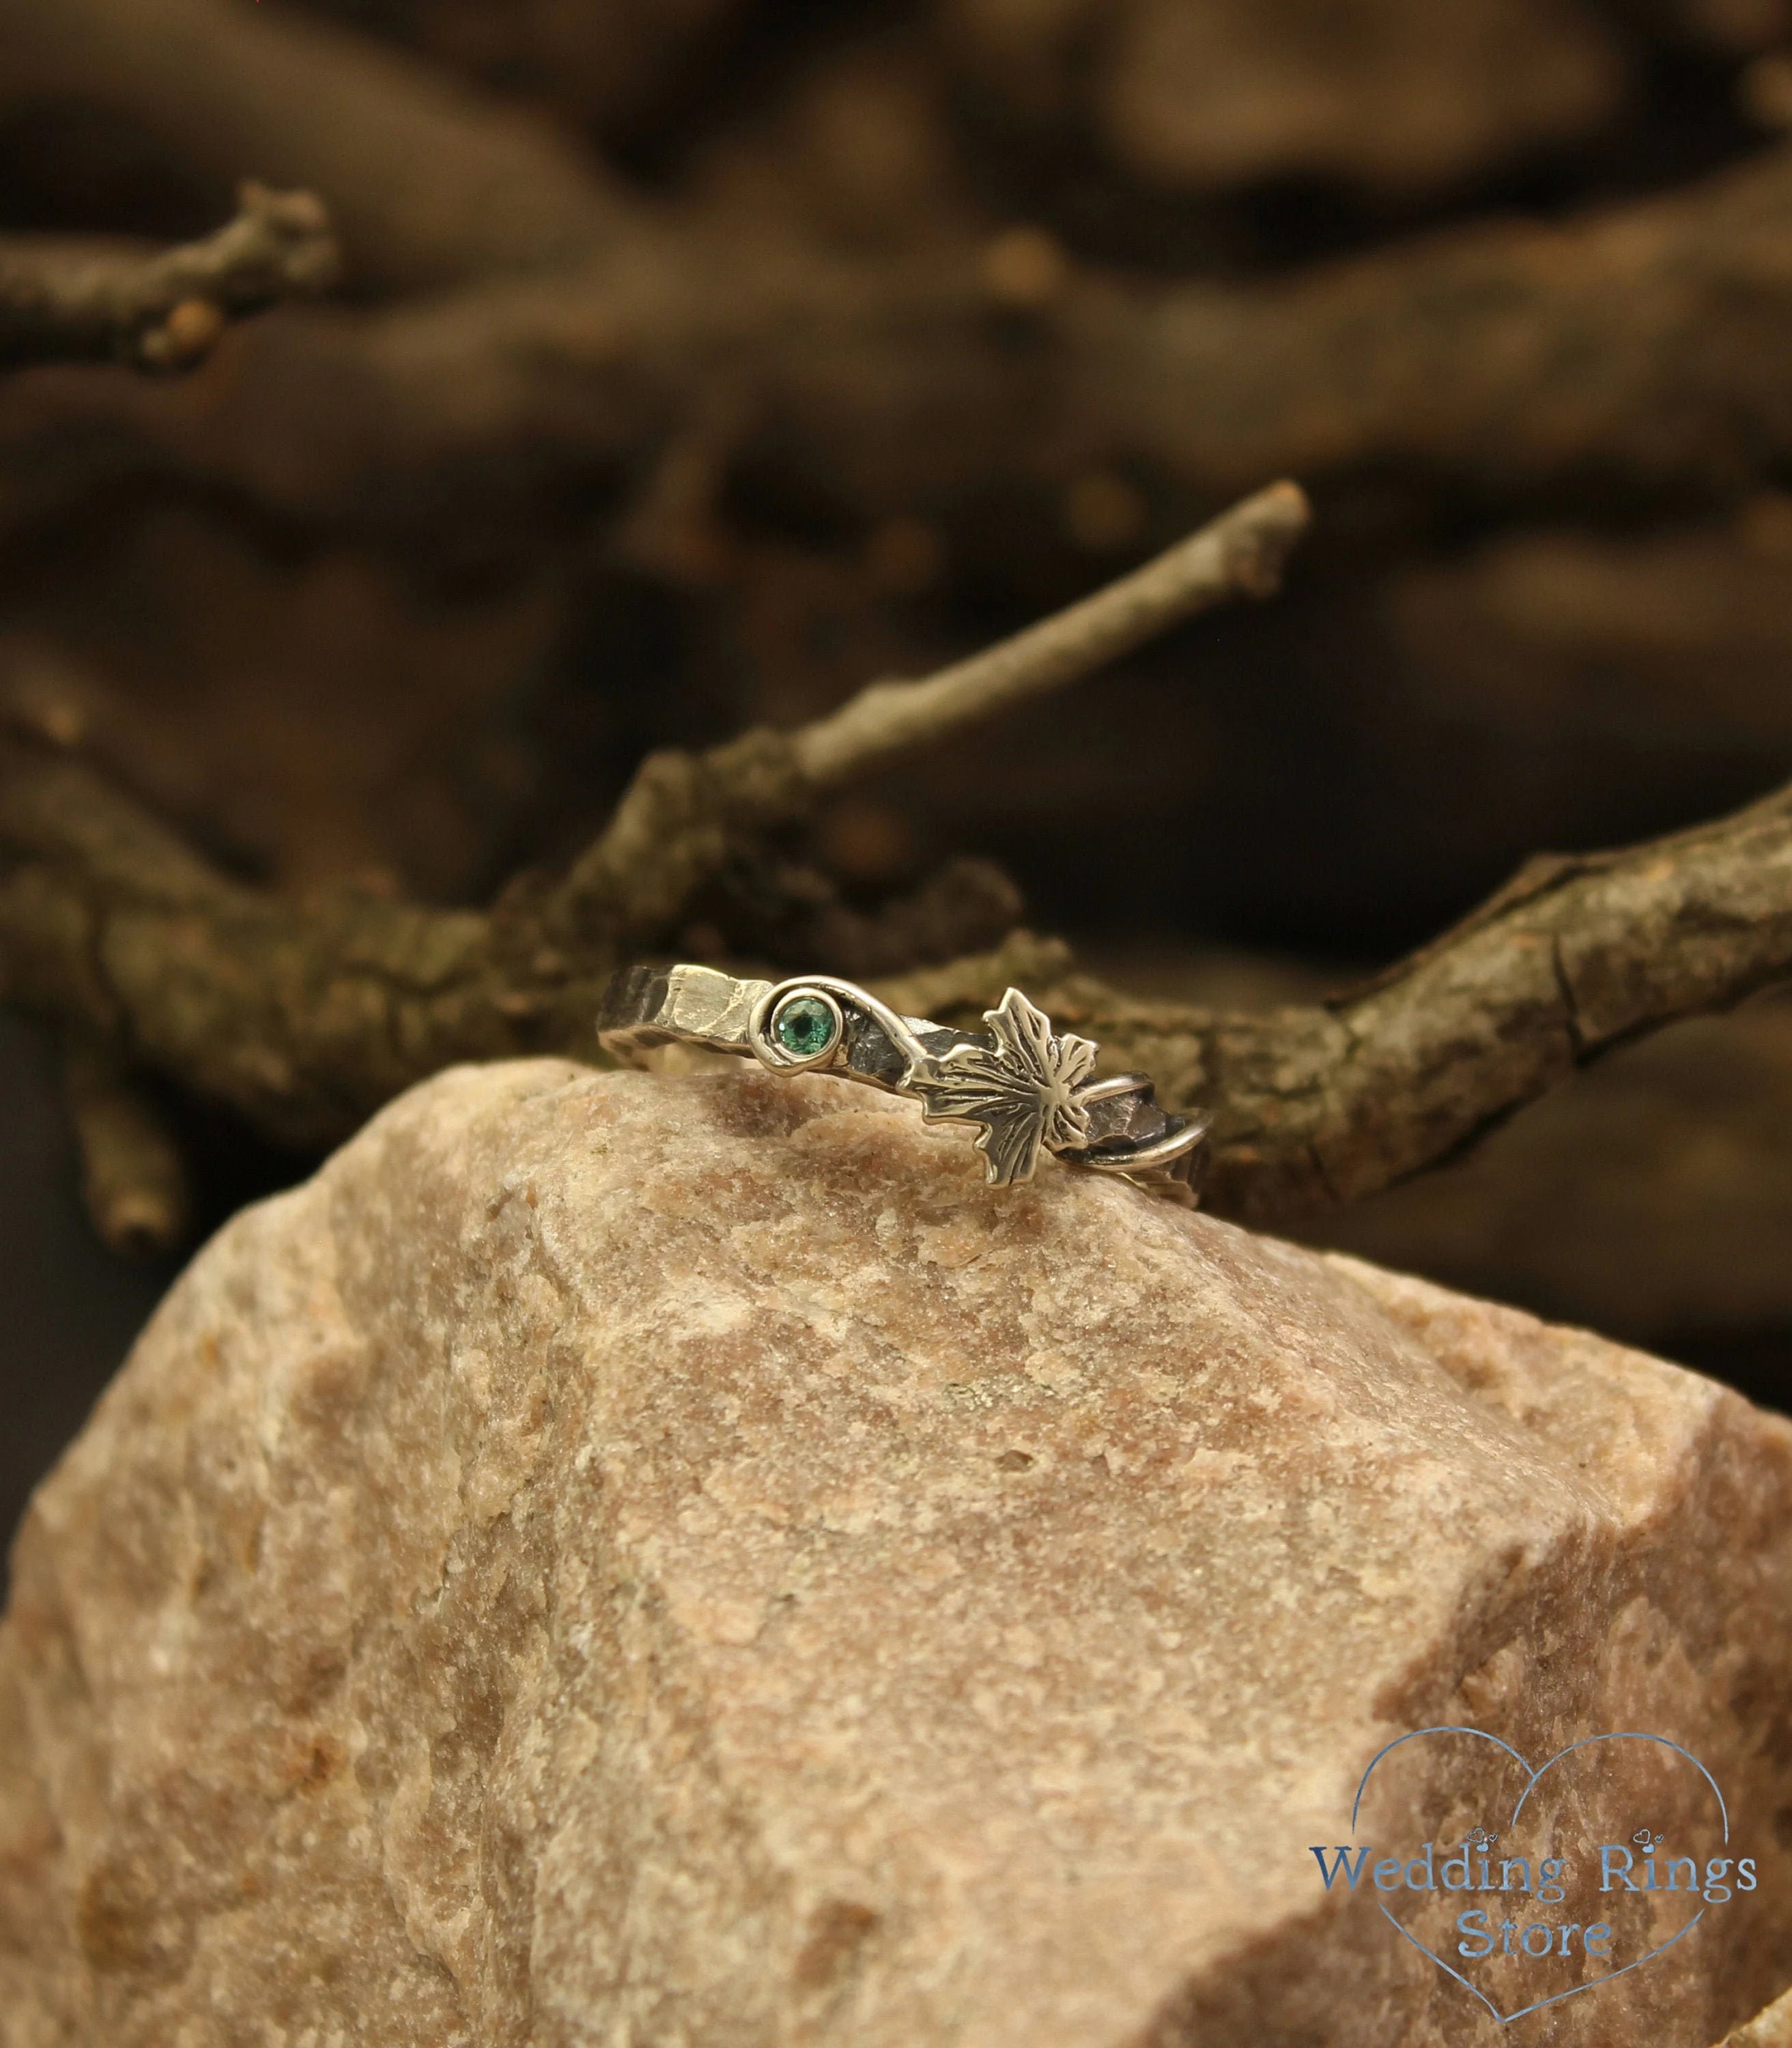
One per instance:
[(804, 1025)]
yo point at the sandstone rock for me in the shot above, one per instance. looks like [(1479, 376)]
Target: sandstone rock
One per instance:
[(619, 1558), (1771, 2029)]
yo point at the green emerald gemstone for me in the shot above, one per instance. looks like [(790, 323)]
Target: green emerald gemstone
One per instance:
[(804, 1025)]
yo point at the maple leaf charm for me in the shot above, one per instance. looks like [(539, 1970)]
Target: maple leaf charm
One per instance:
[(1022, 1090)]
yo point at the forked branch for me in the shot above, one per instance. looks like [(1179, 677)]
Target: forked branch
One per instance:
[(305, 1017)]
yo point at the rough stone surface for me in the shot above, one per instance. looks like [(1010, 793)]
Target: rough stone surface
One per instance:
[(626, 1559), (1771, 2029)]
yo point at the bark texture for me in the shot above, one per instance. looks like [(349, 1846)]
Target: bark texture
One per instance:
[(305, 1018), (60, 304)]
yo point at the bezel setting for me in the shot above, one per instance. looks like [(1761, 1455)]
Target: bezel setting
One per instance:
[(771, 1046)]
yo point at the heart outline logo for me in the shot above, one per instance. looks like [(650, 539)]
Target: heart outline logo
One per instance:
[(1535, 1774)]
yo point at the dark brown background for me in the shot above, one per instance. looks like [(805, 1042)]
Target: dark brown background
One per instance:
[(455, 673)]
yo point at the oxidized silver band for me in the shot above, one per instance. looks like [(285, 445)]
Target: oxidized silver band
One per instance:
[(1029, 1089)]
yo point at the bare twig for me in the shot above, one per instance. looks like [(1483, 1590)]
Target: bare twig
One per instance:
[(426, 183), (1243, 553), (306, 1017), (166, 311), (671, 829), (132, 1177)]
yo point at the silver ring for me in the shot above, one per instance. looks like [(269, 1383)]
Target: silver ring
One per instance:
[(1027, 1088)]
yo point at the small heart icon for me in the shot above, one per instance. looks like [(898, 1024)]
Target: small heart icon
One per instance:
[(1609, 1878)]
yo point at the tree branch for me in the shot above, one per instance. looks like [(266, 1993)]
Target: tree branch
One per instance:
[(133, 1180), (912, 387), (306, 1017), (1329, 1103), (1244, 552), (428, 184), (58, 304), (672, 828)]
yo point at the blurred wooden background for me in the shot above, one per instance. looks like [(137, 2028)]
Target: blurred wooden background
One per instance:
[(402, 589)]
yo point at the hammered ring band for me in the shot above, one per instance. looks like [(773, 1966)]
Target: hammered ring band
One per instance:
[(1028, 1089)]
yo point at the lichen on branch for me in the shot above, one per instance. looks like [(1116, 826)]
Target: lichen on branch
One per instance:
[(62, 302)]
